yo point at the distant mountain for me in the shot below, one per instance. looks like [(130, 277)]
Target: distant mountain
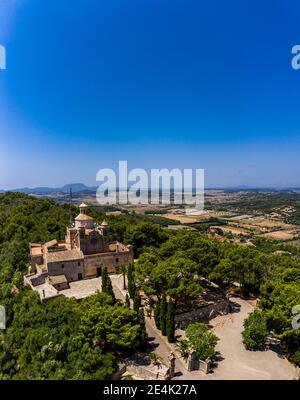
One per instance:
[(81, 188), (77, 187), (43, 191)]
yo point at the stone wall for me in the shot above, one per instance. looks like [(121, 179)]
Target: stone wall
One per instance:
[(92, 243), (202, 314), (36, 260), (157, 373), (71, 269), (142, 368), (35, 280), (110, 260)]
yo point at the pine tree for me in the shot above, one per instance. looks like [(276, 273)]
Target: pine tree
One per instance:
[(136, 302), (104, 276), (131, 284), (157, 314), (170, 322), (163, 315), (144, 336), (127, 301), (109, 289), (124, 276)]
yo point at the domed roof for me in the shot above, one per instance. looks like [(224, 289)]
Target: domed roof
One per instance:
[(83, 217), (83, 205), (104, 223)]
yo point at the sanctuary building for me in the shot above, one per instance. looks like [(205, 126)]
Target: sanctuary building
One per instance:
[(83, 254)]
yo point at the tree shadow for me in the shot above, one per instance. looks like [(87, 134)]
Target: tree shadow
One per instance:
[(178, 373), (152, 346), (234, 307), (215, 360), (276, 348)]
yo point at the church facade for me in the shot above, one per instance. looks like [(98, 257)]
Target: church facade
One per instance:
[(85, 251)]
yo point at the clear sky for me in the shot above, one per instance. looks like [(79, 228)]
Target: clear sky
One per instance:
[(160, 83)]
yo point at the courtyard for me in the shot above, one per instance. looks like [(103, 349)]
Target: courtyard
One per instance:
[(234, 361), (83, 288)]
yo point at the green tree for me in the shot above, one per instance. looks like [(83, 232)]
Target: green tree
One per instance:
[(124, 276), (143, 334), (154, 358), (176, 277), (127, 301), (157, 314), (144, 234), (255, 330), (109, 289), (183, 347), (170, 321), (163, 316), (202, 340), (113, 328), (104, 279), (131, 283), (136, 303)]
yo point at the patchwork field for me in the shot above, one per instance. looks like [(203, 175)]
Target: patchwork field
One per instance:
[(280, 235)]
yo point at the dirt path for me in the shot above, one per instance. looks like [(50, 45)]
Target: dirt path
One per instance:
[(235, 362), (158, 342)]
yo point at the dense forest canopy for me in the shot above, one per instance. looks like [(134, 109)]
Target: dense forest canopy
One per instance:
[(174, 269), (62, 339)]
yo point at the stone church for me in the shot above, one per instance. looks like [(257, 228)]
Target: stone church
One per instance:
[(85, 251)]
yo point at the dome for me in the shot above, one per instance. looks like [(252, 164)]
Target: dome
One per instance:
[(83, 217), (104, 223), (83, 205), (84, 221)]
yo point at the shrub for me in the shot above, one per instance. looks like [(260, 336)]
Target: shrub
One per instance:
[(202, 340), (255, 330)]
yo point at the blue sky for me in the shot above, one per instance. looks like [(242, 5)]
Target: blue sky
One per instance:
[(182, 83)]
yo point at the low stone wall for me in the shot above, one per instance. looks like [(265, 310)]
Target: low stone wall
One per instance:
[(202, 314), (141, 367), (121, 370), (192, 364), (149, 373), (204, 366), (35, 280)]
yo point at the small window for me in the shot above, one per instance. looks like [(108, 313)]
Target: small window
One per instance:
[(62, 265), (117, 260), (78, 264)]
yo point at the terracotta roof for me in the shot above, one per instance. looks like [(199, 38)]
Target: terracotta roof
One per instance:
[(35, 250), (53, 242), (64, 255), (83, 217)]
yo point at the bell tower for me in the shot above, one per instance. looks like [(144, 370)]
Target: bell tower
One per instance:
[(83, 208), (105, 233)]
